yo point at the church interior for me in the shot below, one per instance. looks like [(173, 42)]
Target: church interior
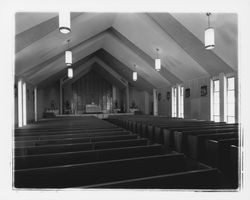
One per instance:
[(126, 101)]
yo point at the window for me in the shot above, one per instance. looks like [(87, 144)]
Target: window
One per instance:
[(174, 102), (24, 105), (230, 100), (20, 103), (178, 101), (181, 102), (215, 100)]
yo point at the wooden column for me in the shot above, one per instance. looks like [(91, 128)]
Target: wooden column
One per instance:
[(60, 96), (223, 104), (146, 96), (155, 100), (127, 98), (113, 95)]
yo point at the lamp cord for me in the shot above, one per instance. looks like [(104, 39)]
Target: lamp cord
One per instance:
[(208, 20), (208, 15), (135, 67), (68, 44)]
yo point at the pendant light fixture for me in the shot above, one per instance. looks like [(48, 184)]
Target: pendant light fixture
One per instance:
[(157, 62), (209, 35), (64, 22), (68, 56), (68, 62), (135, 74), (70, 72)]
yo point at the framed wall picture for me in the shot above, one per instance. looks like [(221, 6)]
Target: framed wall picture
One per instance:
[(159, 96), (203, 90), (15, 90), (187, 92), (28, 94), (168, 95)]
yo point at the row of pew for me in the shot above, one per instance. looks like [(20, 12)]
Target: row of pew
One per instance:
[(86, 152), (213, 143)]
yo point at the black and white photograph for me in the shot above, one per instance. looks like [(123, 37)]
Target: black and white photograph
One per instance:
[(78, 64), (87, 112)]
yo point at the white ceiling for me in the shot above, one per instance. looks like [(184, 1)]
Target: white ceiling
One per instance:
[(25, 21), (134, 38), (145, 34), (226, 32)]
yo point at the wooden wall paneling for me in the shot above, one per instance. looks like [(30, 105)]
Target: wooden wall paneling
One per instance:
[(92, 88)]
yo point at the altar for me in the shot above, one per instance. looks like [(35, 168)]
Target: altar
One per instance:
[(92, 108)]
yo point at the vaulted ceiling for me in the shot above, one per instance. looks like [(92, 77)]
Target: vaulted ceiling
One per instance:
[(113, 42)]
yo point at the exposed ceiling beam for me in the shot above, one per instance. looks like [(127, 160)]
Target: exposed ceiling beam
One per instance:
[(36, 69), (112, 72), (110, 77), (79, 72), (102, 68), (120, 68), (63, 72), (113, 63), (30, 72)]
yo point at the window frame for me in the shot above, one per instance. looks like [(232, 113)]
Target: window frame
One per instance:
[(227, 104), (180, 101), (215, 117), (174, 101)]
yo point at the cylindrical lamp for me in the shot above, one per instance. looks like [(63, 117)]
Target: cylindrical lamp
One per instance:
[(209, 35), (157, 62), (134, 76), (68, 58), (70, 73), (209, 38), (64, 22)]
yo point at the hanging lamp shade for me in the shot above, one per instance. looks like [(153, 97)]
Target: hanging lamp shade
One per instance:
[(134, 76), (209, 35), (158, 64), (64, 22), (70, 72), (68, 58), (209, 38)]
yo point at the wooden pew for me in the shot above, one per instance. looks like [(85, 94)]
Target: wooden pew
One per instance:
[(167, 134), (85, 130), (99, 172), (60, 125), (155, 132), (195, 179), (46, 160), (158, 129), (32, 143), (197, 147), (180, 138), (218, 152), (65, 125), (235, 165), (78, 147), (70, 135)]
